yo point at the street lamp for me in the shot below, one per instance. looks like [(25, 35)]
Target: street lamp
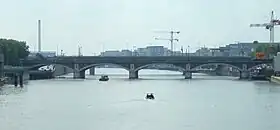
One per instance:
[(182, 50), (188, 52), (134, 51), (61, 52)]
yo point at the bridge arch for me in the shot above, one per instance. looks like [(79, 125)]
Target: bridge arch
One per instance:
[(100, 64), (258, 65), (233, 66), (180, 69), (42, 65)]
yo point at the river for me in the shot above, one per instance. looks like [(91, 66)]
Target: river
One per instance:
[(202, 103)]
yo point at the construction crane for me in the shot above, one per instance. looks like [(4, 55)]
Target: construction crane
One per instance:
[(269, 26), (171, 38)]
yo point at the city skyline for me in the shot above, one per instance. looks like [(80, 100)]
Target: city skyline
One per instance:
[(113, 25)]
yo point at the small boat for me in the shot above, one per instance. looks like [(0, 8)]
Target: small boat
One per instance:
[(104, 78), (150, 96)]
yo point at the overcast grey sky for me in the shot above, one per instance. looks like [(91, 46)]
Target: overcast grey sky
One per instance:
[(117, 24)]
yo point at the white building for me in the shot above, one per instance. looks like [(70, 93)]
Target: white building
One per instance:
[(203, 52), (126, 53), (111, 53), (141, 52), (155, 51), (167, 52)]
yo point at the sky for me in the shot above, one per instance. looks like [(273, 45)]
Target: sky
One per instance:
[(99, 25)]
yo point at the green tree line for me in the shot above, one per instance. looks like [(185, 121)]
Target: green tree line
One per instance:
[(13, 51), (267, 49)]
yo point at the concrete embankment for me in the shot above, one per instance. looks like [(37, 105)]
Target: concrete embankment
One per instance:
[(275, 79)]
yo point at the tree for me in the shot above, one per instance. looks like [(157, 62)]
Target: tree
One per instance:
[(268, 49), (13, 51)]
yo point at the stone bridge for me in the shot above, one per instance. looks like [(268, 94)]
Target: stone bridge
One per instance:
[(133, 64)]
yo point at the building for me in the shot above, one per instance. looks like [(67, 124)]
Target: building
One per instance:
[(234, 49), (203, 52), (224, 51), (155, 51), (141, 52), (126, 53), (244, 49), (43, 54), (276, 63), (48, 53), (167, 52), (247, 48), (111, 53)]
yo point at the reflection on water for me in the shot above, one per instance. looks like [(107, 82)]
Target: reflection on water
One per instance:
[(264, 87), (10, 89), (202, 103)]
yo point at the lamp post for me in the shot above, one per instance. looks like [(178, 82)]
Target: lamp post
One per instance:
[(61, 52), (182, 50), (188, 52), (134, 51)]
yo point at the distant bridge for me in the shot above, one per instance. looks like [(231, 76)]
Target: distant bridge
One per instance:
[(133, 64)]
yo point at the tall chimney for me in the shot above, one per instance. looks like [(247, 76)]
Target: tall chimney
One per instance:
[(39, 35)]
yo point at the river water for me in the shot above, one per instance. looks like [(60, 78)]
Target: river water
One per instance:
[(202, 103)]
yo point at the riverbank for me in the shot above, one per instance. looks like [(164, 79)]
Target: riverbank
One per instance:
[(275, 79)]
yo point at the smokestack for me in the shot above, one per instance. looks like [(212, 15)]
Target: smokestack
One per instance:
[(39, 35)]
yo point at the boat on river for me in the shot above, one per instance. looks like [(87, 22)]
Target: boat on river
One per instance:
[(104, 78), (150, 96)]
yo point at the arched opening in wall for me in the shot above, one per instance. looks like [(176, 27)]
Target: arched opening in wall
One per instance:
[(109, 69), (212, 70), (160, 71), (261, 66), (46, 67), (261, 71), (46, 71)]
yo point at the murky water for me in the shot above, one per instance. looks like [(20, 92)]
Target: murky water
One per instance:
[(203, 103)]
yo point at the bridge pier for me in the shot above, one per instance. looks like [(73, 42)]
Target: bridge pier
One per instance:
[(16, 80), (133, 74), (82, 74), (79, 74), (21, 80), (64, 70), (92, 71), (244, 74), (187, 73), (136, 73), (76, 74)]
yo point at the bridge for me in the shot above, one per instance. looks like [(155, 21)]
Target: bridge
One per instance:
[(133, 64)]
